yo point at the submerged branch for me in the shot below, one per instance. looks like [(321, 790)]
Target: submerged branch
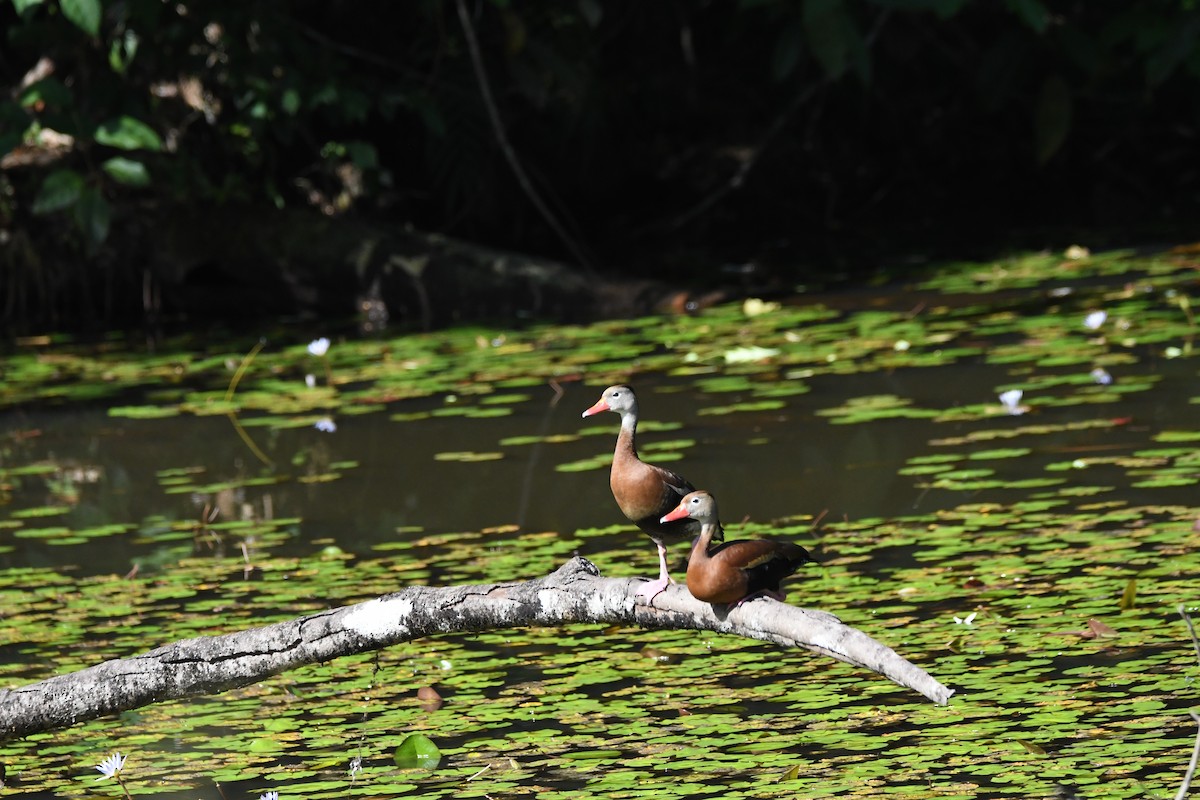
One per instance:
[(574, 593)]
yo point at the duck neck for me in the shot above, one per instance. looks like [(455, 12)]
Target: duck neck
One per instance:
[(700, 548), (626, 446)]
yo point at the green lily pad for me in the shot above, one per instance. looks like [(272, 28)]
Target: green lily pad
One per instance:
[(417, 751)]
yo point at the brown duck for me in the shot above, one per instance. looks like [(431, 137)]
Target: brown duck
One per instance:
[(733, 572), (643, 491)]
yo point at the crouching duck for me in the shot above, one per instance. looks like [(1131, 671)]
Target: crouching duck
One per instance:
[(733, 572), (644, 492)]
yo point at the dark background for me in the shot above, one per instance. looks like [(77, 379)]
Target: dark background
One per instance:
[(696, 143)]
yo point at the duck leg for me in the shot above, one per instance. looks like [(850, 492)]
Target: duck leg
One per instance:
[(654, 588)]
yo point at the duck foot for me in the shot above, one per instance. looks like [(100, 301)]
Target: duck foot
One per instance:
[(652, 589)]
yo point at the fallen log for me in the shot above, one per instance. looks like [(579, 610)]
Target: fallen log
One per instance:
[(573, 594)]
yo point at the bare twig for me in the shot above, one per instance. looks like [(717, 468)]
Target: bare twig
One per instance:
[(233, 417), (510, 154), (1191, 770), (1191, 630)]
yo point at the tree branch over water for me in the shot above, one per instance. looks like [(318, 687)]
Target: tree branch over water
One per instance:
[(574, 593)]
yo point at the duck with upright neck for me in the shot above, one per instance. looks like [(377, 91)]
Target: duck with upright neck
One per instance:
[(733, 572), (644, 492)]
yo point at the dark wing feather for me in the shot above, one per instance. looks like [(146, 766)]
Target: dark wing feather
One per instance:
[(674, 482), (766, 562)]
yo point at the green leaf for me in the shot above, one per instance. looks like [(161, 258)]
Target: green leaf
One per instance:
[(60, 190), (1052, 118), (1129, 596), (127, 171), (417, 750), (24, 6), (122, 50), (85, 14), (48, 91), (1174, 51), (1032, 747), (128, 133), (826, 28), (1032, 13), (93, 215), (290, 102)]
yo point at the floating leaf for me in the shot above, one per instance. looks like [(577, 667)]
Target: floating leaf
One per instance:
[(467, 457), (417, 751), (143, 412), (1032, 747)]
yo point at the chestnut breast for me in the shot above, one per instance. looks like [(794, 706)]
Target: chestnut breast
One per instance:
[(645, 493)]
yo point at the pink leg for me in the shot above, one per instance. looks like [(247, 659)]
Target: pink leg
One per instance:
[(651, 589)]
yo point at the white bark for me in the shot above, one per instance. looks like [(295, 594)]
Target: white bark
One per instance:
[(575, 593)]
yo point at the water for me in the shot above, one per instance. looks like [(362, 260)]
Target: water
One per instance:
[(1031, 565), (761, 465)]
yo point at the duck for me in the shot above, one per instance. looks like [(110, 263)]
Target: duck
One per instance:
[(733, 572), (644, 492)]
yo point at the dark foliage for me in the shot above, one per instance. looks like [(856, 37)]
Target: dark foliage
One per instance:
[(810, 138)]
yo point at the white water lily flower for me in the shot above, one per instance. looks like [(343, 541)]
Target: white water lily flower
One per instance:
[(1100, 375), (111, 766), (967, 620), (1011, 400), (271, 795), (1095, 319), (325, 425), (319, 347)]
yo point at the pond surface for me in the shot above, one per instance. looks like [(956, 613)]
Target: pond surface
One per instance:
[(1030, 555), (762, 464)]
